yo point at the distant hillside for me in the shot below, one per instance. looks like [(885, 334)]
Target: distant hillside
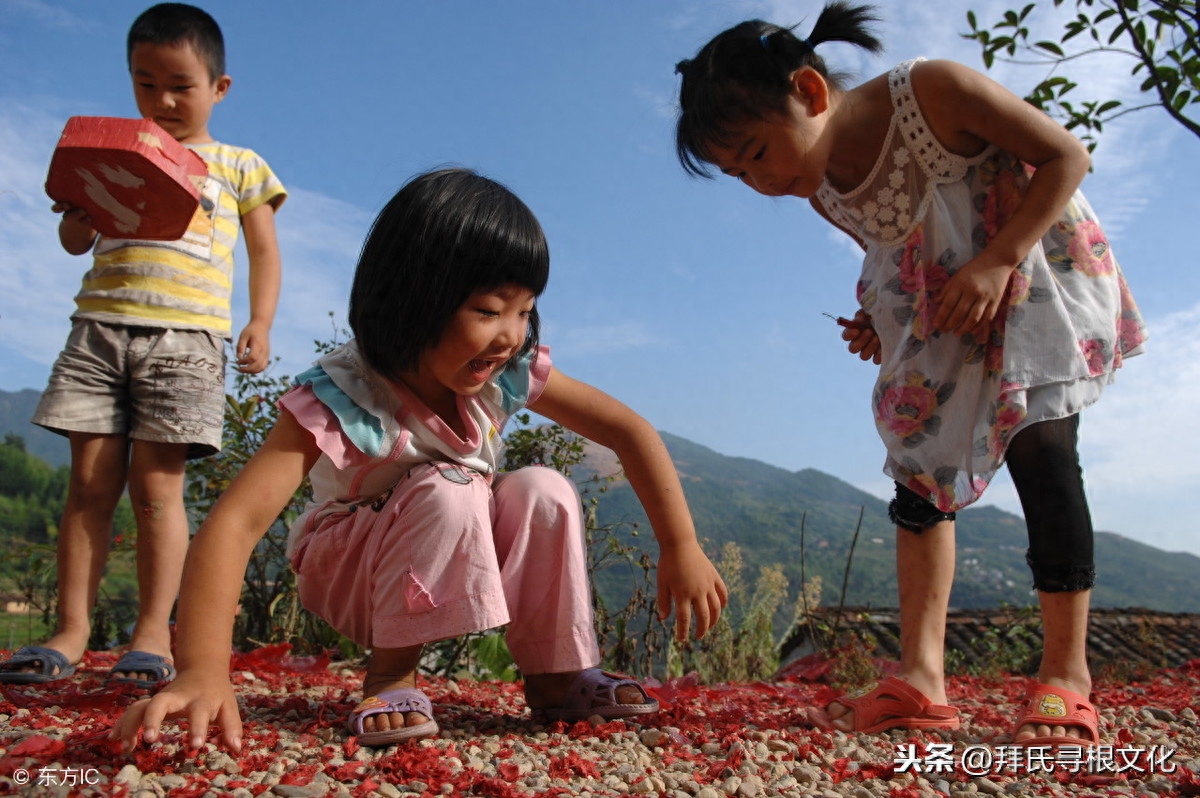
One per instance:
[(761, 507), (15, 411)]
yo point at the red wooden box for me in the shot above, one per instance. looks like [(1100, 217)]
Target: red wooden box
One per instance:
[(132, 178)]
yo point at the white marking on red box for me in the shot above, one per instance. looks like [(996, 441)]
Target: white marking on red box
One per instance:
[(131, 177)]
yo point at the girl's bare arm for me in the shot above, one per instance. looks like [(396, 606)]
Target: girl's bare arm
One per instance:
[(211, 588), (686, 577), (966, 111)]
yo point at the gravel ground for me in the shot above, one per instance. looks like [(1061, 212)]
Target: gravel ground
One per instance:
[(711, 741)]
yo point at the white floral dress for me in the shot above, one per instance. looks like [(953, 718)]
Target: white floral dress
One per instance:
[(947, 406)]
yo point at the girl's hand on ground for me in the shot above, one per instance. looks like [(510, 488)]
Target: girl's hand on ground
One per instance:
[(972, 297), (861, 336), (688, 581), (198, 701)]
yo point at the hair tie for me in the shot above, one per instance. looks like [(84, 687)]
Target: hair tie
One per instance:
[(805, 45)]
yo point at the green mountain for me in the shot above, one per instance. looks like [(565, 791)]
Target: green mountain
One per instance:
[(762, 509), (15, 412)]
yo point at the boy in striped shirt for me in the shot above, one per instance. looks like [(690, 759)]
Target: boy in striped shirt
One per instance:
[(139, 387)]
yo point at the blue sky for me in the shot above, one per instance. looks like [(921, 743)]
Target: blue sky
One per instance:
[(699, 303)]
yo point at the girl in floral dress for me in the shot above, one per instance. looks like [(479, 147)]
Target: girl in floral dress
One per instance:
[(988, 296)]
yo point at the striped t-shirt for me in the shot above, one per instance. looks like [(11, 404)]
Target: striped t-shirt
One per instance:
[(187, 283)]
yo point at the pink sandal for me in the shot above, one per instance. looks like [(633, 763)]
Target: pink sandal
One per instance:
[(594, 692), (404, 699)]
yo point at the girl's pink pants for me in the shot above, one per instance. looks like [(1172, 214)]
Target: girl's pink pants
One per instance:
[(447, 554)]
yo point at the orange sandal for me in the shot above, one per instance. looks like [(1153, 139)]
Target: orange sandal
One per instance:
[(891, 704), (1048, 705)]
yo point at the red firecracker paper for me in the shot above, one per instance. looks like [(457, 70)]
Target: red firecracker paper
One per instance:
[(131, 177)]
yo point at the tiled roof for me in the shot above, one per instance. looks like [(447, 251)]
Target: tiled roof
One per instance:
[(1121, 637)]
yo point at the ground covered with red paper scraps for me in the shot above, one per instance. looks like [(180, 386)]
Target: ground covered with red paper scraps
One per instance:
[(709, 741)]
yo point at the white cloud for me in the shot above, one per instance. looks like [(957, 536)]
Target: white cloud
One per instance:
[(37, 278), (45, 15), (582, 340)]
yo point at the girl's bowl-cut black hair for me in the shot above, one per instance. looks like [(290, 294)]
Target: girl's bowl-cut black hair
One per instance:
[(445, 235)]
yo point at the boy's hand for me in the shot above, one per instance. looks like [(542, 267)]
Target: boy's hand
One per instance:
[(687, 580), (199, 700), (253, 348), (861, 335), (75, 229), (72, 213)]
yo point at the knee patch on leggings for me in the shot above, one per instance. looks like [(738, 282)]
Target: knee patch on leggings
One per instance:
[(914, 513)]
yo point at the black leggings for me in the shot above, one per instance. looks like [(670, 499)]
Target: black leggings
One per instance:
[(1043, 460)]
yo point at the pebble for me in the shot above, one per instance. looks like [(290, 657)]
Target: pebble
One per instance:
[(988, 787), (130, 776), (684, 760), (299, 791)]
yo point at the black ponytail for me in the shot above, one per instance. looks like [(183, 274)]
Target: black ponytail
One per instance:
[(744, 74)]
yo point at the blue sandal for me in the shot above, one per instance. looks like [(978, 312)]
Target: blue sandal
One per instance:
[(52, 666), (142, 662)]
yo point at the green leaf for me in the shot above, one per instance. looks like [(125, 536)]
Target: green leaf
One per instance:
[(492, 654), (1050, 47)]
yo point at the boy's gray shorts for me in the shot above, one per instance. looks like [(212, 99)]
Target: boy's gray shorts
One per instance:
[(149, 384)]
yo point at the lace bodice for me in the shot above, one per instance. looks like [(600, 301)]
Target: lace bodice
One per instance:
[(895, 195)]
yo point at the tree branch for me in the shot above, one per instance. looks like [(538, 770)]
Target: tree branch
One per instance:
[(1159, 87)]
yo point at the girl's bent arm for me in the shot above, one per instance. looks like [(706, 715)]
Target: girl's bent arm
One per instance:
[(967, 111), (211, 588), (686, 577)]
